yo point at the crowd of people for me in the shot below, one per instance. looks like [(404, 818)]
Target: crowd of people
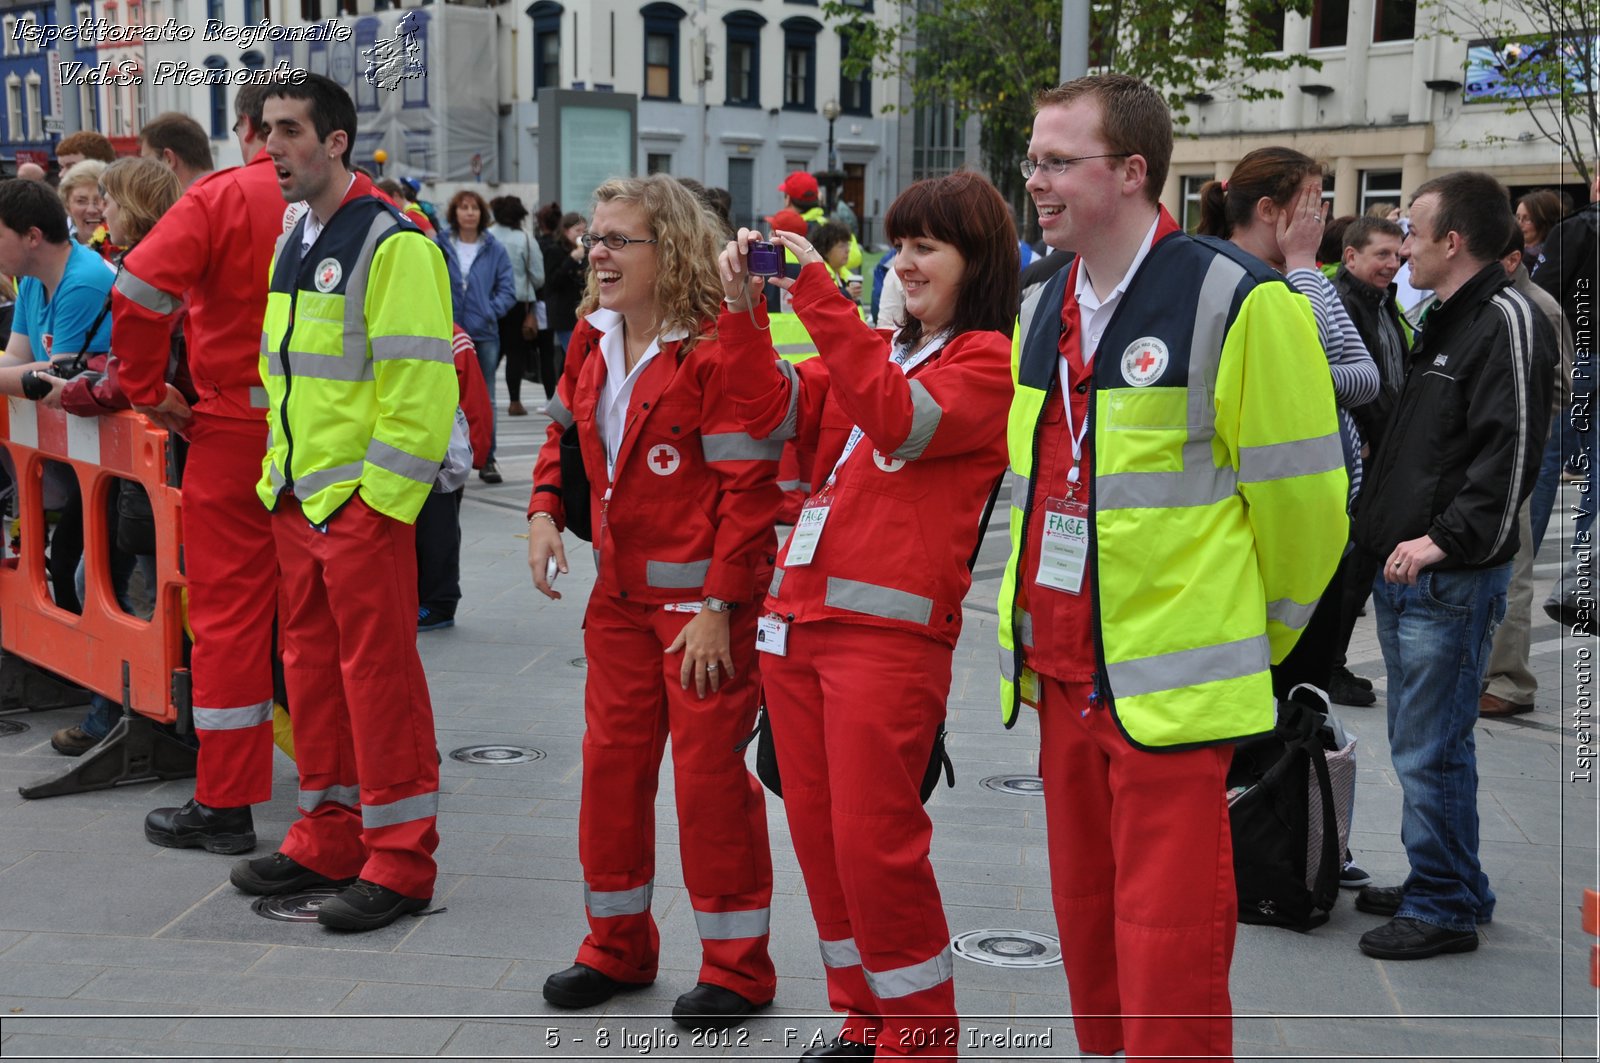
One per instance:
[(1212, 449)]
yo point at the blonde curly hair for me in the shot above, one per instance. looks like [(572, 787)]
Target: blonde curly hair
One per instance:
[(688, 239)]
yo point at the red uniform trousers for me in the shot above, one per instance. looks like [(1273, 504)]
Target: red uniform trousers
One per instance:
[(632, 702), (363, 724), (1141, 873), (854, 713), (233, 574)]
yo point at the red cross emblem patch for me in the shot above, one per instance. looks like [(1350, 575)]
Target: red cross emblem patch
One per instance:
[(1145, 359), (663, 460), (328, 274), (888, 463)]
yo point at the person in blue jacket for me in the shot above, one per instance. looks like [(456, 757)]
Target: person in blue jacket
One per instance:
[(482, 290)]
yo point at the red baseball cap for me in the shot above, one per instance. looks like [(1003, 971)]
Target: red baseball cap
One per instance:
[(799, 186), (789, 221)]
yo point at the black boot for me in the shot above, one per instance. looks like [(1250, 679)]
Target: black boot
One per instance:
[(197, 826)]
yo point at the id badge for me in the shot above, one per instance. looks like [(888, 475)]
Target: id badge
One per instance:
[(807, 533), (772, 635), (1064, 549)]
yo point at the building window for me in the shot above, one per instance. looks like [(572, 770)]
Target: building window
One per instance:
[(366, 37), (855, 93), (14, 124), (1268, 18), (939, 141), (214, 9), (1330, 23), (88, 112), (1394, 20), (252, 12), (800, 63), (1189, 215), (661, 22), (654, 163), (311, 10), (1380, 186), (219, 99), (35, 108), (744, 58), (546, 44), (31, 45), (84, 13), (152, 13), (10, 27)]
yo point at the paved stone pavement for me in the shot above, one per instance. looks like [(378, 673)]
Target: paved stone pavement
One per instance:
[(110, 946)]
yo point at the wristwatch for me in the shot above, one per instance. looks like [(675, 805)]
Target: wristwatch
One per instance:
[(717, 605)]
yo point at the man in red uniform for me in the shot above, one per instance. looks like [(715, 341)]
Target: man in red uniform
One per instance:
[(214, 248)]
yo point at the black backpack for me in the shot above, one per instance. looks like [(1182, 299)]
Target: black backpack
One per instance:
[(1281, 880)]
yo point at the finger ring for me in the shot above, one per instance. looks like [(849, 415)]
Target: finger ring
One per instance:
[(711, 667), (1397, 564)]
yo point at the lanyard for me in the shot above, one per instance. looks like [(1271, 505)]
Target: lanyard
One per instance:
[(907, 362), (1075, 435)]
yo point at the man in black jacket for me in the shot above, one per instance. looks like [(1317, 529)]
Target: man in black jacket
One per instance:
[(1365, 282), (1439, 506)]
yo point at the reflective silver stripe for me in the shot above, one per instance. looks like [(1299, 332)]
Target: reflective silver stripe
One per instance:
[(1211, 328), (258, 398), (349, 796), (777, 581), (415, 348), (795, 348), (1299, 457), (740, 446), (312, 482), (320, 366), (557, 411), (1008, 665), (1164, 490), (234, 718), (147, 295), (1291, 613), (274, 476), (606, 905), (1188, 668), (791, 419), (925, 416), (1019, 487), (405, 810), (803, 486), (355, 290), (402, 463), (788, 485), (1024, 627), (873, 600), (903, 981), (674, 574), (732, 926), (842, 953)]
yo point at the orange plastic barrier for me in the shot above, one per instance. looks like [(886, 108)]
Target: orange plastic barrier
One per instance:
[(134, 662), (1591, 925)]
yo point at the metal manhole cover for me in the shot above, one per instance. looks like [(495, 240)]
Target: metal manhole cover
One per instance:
[(292, 907), (496, 754), (1007, 948), (12, 727), (579, 662), (1015, 785)]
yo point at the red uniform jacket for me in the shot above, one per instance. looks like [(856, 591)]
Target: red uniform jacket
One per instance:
[(690, 513), (215, 243), (474, 396), (906, 504)]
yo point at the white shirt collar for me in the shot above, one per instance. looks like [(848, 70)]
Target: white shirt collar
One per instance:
[(1084, 291), (314, 224), (617, 392)]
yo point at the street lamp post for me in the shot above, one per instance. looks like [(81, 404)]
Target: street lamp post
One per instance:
[(830, 111)]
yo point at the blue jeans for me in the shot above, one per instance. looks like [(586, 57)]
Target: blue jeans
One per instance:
[(1435, 638), (1543, 499), (488, 360)]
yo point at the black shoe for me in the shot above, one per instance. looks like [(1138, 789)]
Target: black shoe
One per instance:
[(490, 474), (367, 906), (1352, 876), (711, 1007), (1359, 680), (584, 987), (1412, 939), (1380, 900), (839, 1048), (1344, 689), (267, 876), (197, 826)]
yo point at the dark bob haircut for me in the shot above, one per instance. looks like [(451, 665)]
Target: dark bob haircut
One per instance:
[(963, 209)]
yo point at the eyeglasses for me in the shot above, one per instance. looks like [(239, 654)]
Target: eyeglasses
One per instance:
[(1056, 167), (612, 241)]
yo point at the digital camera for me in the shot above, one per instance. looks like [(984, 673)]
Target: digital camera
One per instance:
[(765, 259)]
